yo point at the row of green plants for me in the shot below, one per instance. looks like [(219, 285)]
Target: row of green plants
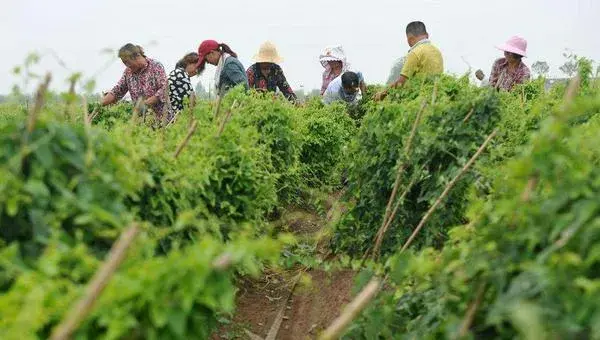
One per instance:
[(70, 188), (512, 252)]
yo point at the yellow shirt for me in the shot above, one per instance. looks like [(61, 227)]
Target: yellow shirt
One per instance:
[(423, 59)]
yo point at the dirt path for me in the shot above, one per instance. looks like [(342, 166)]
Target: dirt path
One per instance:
[(316, 300)]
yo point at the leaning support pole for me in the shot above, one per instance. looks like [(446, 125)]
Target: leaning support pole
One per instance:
[(335, 330), (77, 314), (447, 189), (186, 139), (39, 102)]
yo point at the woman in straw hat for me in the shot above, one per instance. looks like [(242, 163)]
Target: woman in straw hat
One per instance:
[(266, 74), (334, 61), (510, 70)]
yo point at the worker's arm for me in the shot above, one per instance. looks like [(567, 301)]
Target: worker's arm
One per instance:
[(398, 83), (408, 70), (108, 99), (151, 101)]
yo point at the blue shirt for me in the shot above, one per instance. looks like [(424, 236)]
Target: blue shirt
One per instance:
[(335, 91)]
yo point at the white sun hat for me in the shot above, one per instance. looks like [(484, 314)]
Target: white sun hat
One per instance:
[(333, 53)]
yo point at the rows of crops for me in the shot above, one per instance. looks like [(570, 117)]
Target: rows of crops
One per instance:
[(510, 249)]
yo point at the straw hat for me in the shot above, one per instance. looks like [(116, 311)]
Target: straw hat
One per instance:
[(268, 54), (516, 45)]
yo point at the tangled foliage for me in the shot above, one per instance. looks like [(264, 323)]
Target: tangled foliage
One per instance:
[(63, 179), (527, 266), (449, 133)]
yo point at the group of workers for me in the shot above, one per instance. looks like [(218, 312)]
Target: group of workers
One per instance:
[(146, 81)]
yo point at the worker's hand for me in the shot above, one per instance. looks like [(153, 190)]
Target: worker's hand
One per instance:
[(380, 95)]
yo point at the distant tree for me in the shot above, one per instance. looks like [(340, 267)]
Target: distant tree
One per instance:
[(569, 68), (540, 68), (314, 93), (395, 71), (201, 92)]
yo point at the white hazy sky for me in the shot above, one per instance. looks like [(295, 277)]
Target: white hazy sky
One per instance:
[(372, 32)]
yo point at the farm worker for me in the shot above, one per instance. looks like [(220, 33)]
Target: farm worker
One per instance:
[(423, 58), (343, 88), (266, 74), (481, 77), (143, 78), (230, 71), (180, 86), (510, 70), (334, 61)]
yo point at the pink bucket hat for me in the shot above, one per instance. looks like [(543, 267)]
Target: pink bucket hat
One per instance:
[(515, 45)]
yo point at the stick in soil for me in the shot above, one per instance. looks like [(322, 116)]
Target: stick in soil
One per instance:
[(572, 90), (39, 102), (226, 119), (272, 335), (382, 231), (335, 330), (186, 139), (217, 108), (435, 91), (400, 171), (84, 306), (469, 115), (470, 315), (447, 190)]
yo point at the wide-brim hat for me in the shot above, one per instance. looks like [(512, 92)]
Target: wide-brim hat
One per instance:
[(267, 53), (516, 45), (332, 53)]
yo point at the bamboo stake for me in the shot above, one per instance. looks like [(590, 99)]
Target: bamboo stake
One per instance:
[(382, 231), (470, 315), (226, 119), (469, 115), (272, 335), (334, 331), (217, 108), (39, 102), (435, 91), (447, 190), (187, 139), (103, 275), (86, 114)]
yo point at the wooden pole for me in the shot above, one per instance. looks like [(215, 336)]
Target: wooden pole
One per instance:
[(40, 99), (103, 275), (186, 139), (447, 190), (335, 330), (470, 315)]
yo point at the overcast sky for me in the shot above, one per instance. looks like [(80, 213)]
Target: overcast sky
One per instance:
[(372, 32)]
